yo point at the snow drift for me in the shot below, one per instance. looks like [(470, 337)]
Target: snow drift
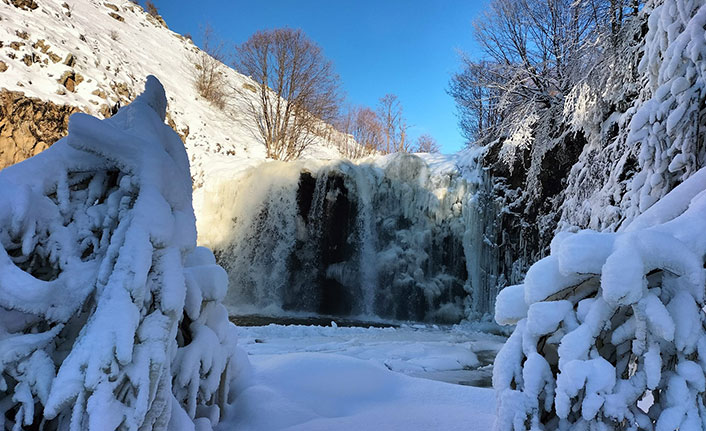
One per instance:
[(398, 237), (110, 316)]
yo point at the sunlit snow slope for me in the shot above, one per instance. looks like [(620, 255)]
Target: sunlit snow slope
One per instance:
[(95, 55)]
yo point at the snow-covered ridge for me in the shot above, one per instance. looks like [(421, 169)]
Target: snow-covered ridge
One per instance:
[(110, 316), (95, 54)]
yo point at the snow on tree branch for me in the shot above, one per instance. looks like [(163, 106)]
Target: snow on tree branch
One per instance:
[(610, 327), (669, 122), (110, 316)]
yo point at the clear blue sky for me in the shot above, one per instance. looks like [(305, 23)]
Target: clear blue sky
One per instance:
[(409, 48)]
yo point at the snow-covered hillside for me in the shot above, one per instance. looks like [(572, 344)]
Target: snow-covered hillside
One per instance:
[(95, 55)]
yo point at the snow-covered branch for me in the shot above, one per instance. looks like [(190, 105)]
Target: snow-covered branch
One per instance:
[(610, 327)]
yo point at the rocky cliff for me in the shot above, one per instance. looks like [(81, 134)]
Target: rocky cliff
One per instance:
[(621, 139)]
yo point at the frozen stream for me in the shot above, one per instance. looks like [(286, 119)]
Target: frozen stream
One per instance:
[(454, 354)]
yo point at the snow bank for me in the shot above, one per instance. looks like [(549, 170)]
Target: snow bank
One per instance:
[(440, 353), (110, 316), (323, 391), (609, 319)]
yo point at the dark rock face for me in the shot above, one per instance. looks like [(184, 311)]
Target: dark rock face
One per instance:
[(362, 240), (330, 224), (573, 169), (533, 204)]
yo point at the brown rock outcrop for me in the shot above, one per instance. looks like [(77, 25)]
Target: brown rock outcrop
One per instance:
[(29, 126), (70, 80), (116, 16), (25, 4)]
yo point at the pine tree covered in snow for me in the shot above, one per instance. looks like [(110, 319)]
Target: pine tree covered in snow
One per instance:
[(110, 316)]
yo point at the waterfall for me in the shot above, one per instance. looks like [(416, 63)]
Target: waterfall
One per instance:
[(403, 237)]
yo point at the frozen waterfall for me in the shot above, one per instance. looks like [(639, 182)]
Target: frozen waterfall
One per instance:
[(400, 237)]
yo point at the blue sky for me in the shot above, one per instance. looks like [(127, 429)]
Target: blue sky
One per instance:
[(409, 48)]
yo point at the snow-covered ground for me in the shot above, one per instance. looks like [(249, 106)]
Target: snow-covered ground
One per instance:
[(336, 378)]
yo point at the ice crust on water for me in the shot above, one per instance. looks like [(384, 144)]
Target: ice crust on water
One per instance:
[(110, 316)]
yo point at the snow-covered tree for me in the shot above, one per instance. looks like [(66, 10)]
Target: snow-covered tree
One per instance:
[(297, 90), (669, 122), (610, 327), (644, 118), (110, 316)]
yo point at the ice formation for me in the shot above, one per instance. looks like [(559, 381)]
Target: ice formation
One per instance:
[(398, 237), (110, 316)]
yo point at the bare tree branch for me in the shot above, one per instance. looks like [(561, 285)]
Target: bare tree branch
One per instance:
[(427, 144), (298, 90)]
